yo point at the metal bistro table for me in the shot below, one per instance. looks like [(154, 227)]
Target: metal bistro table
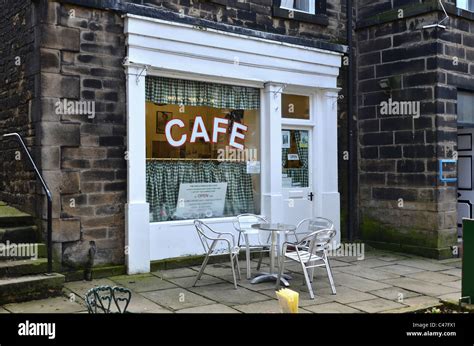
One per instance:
[(276, 229)]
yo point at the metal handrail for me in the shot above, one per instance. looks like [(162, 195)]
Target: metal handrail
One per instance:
[(48, 196)]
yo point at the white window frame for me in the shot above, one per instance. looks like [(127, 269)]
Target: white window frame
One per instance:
[(467, 5), (290, 6)]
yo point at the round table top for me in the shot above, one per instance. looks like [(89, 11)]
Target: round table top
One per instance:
[(274, 227)]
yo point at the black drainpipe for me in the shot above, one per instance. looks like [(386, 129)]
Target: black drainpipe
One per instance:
[(352, 167)]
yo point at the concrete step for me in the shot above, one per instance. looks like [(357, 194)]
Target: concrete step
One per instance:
[(12, 217), (13, 251), (17, 268), (20, 234), (24, 288)]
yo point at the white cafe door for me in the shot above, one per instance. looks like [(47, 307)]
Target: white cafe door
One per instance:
[(465, 175), (298, 195)]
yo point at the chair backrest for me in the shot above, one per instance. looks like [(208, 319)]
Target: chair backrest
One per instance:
[(205, 233), (319, 240), (318, 223), (245, 221), (99, 299)]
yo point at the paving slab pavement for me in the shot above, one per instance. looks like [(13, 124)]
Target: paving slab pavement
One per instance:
[(331, 308), (426, 288), (47, 306), (376, 305), (142, 282), (177, 298), (226, 294), (384, 282), (209, 309)]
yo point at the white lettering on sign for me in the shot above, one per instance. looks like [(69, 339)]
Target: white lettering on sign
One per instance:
[(234, 134), (217, 129), (169, 138), (199, 131)]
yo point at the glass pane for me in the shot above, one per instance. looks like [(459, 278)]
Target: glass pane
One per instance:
[(295, 158), (295, 106), (465, 107), (302, 5), (466, 4), (202, 161), (287, 3)]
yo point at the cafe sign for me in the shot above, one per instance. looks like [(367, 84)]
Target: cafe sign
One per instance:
[(199, 131)]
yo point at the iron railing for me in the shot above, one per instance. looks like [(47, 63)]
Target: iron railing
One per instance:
[(48, 196)]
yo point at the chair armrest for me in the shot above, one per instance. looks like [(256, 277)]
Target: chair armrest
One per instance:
[(227, 234), (302, 222)]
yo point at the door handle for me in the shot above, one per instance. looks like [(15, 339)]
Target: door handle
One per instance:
[(310, 196)]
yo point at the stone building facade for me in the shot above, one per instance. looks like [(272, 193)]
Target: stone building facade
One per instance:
[(403, 203), (74, 50), (18, 71)]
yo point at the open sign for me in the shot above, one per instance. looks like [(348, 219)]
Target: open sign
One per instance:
[(200, 131)]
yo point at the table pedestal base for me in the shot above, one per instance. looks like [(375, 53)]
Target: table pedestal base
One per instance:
[(267, 277)]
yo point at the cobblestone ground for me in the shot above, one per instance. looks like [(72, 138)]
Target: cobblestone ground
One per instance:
[(384, 282)]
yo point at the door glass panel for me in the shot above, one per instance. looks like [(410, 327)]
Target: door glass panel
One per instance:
[(295, 106), (295, 158)]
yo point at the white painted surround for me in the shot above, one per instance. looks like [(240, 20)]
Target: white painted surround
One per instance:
[(162, 48)]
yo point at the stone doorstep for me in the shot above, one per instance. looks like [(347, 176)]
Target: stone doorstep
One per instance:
[(23, 267), (30, 287)]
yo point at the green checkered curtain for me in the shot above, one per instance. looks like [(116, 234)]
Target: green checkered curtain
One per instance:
[(194, 93), (163, 179)]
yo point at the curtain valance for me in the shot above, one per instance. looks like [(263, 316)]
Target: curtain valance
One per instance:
[(194, 93)]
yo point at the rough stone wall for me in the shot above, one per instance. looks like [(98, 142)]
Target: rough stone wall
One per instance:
[(257, 14), (18, 72), (83, 155), (403, 204)]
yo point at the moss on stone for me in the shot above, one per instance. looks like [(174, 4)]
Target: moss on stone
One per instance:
[(433, 244)]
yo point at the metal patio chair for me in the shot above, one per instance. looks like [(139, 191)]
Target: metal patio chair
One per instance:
[(253, 238), (309, 251), (209, 239), (99, 299), (309, 225)]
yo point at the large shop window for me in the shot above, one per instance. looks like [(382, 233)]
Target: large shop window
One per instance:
[(202, 145)]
